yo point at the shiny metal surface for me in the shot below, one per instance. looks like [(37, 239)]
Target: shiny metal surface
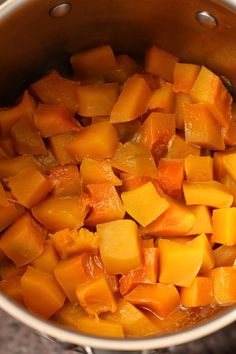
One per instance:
[(32, 43), (60, 10), (206, 19)]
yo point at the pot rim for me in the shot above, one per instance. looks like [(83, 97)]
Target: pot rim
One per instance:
[(65, 335)]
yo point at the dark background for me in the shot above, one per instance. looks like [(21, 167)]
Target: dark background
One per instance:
[(16, 338)]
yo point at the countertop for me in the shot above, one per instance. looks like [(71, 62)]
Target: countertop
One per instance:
[(16, 338)]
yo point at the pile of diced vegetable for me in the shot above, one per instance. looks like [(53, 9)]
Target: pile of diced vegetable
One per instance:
[(118, 195)]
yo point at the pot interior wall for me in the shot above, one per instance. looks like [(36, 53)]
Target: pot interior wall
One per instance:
[(32, 42)]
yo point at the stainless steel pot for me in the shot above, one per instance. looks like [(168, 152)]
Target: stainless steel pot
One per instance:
[(37, 35)]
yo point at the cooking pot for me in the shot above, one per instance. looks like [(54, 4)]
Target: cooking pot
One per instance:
[(38, 35)]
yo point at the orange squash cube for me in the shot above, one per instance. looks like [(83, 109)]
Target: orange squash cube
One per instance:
[(97, 99), (10, 167), (160, 63), (71, 242), (144, 204), (175, 221), (47, 260), (179, 264), (209, 89), (106, 204), (180, 100), (97, 141), (95, 296), (97, 171), (69, 315), (10, 214), (178, 148), (3, 154), (147, 274), (201, 128), (70, 273), (171, 176), (134, 322), (203, 222), (9, 270), (200, 293), (132, 102), (12, 288), (58, 145), (57, 213), (130, 182), (54, 119), (29, 187), (3, 197), (99, 327), (162, 100), (42, 295), (156, 132), (134, 159), (185, 76), (119, 246), (230, 133), (65, 180), (94, 62), (208, 261), (9, 116), (26, 138), (126, 67), (224, 255), (23, 241), (198, 168), (8, 147), (212, 194), (224, 226), (55, 89), (224, 280), (159, 298), (229, 163), (219, 166)]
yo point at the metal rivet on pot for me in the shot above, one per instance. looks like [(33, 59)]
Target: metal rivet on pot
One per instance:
[(60, 10), (206, 19)]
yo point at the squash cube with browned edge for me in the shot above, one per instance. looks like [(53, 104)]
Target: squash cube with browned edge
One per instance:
[(23, 241), (224, 255), (144, 204), (42, 294), (97, 141), (95, 296), (119, 246)]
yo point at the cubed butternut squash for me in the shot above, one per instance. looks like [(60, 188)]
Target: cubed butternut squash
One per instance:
[(160, 62), (224, 226), (229, 163), (10, 214), (97, 99), (178, 148), (70, 273), (65, 180), (132, 102), (3, 197), (29, 187), (95, 296), (12, 288), (94, 62), (209, 89), (55, 89), (119, 246), (23, 241), (10, 167), (47, 260), (105, 203), (54, 119), (58, 213), (200, 293), (171, 176), (162, 100), (212, 193), (224, 255), (203, 221), (159, 298), (99, 327), (198, 168), (42, 295), (179, 264), (201, 128), (126, 67), (185, 76), (201, 242), (97, 171), (58, 144), (96, 141), (144, 204), (224, 289), (180, 100)]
